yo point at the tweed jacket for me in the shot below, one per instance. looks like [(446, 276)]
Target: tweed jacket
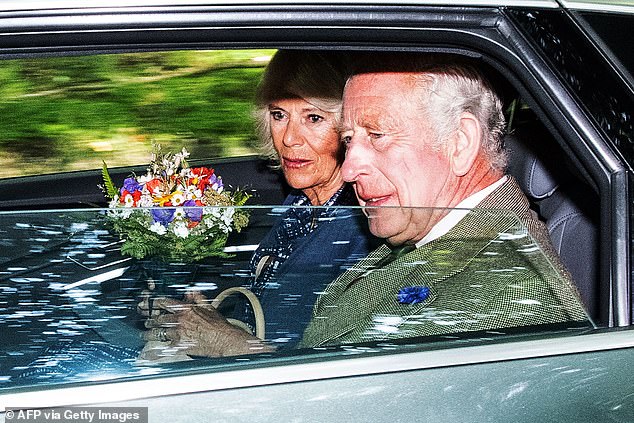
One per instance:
[(495, 269)]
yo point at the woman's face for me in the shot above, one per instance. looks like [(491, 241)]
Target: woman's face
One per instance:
[(307, 142)]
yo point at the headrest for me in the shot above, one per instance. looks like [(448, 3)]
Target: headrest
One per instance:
[(530, 171)]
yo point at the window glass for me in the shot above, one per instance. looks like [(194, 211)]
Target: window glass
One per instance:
[(71, 293), (71, 113), (613, 29)]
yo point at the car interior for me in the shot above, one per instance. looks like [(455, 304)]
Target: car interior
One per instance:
[(561, 193), (564, 202)]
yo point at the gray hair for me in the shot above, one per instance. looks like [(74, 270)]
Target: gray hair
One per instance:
[(448, 86), (316, 77)]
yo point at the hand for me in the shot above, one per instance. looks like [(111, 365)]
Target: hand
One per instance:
[(146, 307), (197, 328)]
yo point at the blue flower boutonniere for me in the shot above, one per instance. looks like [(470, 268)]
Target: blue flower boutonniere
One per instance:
[(413, 294)]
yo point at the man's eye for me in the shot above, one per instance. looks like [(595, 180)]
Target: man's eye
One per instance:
[(346, 139), (315, 118), (376, 135), (277, 115)]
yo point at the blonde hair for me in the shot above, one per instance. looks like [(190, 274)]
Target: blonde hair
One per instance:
[(316, 77)]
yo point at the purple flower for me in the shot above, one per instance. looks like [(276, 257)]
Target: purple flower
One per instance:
[(131, 185), (192, 211), (216, 183), (163, 215), (413, 294)]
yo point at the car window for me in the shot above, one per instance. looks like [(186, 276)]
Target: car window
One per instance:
[(70, 291), (611, 28), (71, 113)]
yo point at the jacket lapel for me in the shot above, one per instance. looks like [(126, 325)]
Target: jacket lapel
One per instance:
[(365, 292)]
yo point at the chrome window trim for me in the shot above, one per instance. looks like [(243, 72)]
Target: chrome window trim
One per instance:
[(611, 6), (116, 391), (37, 5)]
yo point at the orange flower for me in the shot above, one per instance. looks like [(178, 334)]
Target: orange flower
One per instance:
[(164, 201), (152, 185)]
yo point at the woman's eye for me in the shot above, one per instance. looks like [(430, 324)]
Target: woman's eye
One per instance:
[(315, 118), (277, 115), (346, 139)]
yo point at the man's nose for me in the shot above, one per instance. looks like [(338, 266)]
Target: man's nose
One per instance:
[(293, 134), (356, 163)]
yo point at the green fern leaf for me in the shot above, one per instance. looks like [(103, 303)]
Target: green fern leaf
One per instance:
[(111, 191)]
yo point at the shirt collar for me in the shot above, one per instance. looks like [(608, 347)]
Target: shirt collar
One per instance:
[(341, 196), (457, 213)]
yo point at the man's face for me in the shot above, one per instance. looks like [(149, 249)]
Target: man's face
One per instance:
[(389, 157)]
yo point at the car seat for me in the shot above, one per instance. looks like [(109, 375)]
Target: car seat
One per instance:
[(567, 205)]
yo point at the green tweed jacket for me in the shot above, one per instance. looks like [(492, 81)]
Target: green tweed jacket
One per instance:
[(495, 269)]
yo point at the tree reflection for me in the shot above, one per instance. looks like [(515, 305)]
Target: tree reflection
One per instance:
[(70, 113)]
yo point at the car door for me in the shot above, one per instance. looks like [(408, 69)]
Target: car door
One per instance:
[(559, 82)]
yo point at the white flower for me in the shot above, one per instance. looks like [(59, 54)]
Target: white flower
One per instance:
[(121, 213), (221, 217), (213, 211), (177, 198), (158, 228), (144, 178), (182, 155), (180, 229), (128, 200), (193, 193), (215, 188), (227, 216), (179, 213), (209, 221), (146, 201)]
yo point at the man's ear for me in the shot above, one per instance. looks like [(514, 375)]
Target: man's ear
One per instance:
[(465, 144)]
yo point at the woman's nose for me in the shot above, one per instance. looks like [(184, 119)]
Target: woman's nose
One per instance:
[(292, 134)]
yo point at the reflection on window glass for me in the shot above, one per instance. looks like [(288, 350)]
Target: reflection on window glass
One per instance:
[(75, 308), (71, 113)]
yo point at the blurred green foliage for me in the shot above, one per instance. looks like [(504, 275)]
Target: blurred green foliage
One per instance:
[(71, 113)]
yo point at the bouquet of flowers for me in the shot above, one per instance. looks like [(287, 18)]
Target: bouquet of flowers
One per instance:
[(174, 212)]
